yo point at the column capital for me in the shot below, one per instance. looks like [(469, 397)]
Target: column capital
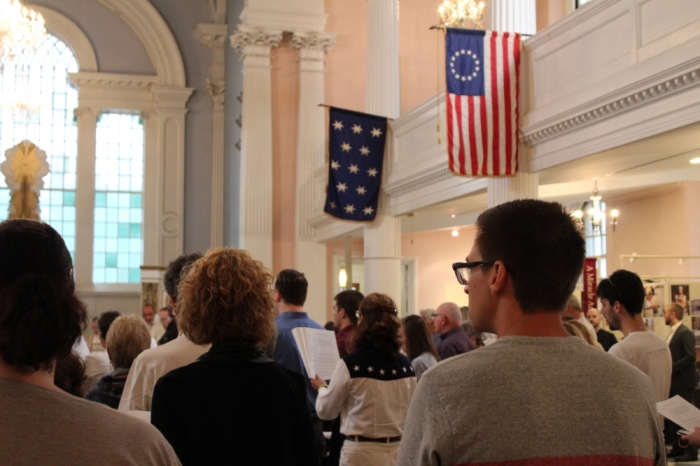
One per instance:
[(212, 35), (316, 41), (87, 111), (216, 90), (247, 36)]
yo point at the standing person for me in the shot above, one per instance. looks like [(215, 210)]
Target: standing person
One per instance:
[(97, 364), (448, 323), (681, 342), (418, 344), (156, 329), (233, 405), (289, 297), (154, 363), (127, 337), (622, 301), (167, 317), (573, 310), (605, 338), (345, 306), (370, 388), (523, 266), (40, 318)]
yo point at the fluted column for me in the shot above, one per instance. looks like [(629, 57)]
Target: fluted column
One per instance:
[(214, 37), (311, 255), (85, 194), (383, 236), (512, 16), (256, 140)]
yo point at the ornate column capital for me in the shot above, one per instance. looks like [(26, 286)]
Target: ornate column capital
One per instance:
[(87, 111), (247, 37), (216, 90), (315, 41), (212, 35)]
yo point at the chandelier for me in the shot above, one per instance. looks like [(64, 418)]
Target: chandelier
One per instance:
[(24, 101), (21, 29), (461, 14), (595, 212)]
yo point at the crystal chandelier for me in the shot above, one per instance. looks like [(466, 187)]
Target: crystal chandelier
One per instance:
[(24, 102), (596, 212), (21, 29), (461, 14)]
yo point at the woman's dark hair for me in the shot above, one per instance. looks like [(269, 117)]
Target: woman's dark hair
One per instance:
[(70, 375), (418, 338), (40, 316), (378, 329)]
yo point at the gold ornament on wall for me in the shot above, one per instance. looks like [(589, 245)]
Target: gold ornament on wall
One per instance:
[(24, 169)]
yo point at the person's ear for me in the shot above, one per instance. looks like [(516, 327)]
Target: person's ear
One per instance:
[(499, 277)]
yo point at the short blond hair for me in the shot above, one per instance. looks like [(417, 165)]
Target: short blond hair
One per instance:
[(128, 336), (226, 296)]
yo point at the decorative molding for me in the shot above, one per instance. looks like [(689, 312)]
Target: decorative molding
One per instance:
[(247, 36), (538, 133), (239, 121), (171, 97), (212, 35), (238, 145), (289, 20), (216, 90), (313, 41), (85, 111), (396, 189), (155, 35), (112, 80)]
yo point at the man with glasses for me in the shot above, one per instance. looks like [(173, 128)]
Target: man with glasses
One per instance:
[(448, 323), (524, 398)]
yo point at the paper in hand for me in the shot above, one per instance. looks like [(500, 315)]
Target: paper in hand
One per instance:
[(318, 350), (680, 411)]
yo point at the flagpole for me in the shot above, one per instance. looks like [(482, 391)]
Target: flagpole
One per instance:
[(437, 81)]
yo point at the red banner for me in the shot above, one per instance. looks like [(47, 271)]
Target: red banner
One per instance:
[(590, 284)]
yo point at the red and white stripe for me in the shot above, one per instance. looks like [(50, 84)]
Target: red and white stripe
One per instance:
[(482, 130)]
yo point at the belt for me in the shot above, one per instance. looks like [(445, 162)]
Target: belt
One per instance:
[(360, 438)]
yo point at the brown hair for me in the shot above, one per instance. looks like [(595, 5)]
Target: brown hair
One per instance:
[(677, 310), (378, 329), (225, 296), (127, 337), (418, 338)]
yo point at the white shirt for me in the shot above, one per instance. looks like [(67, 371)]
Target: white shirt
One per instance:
[(651, 355), (151, 365), (589, 327), (368, 406), (156, 330), (80, 348), (97, 365), (673, 331)]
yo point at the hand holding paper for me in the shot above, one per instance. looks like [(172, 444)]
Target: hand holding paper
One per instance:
[(318, 350), (680, 411)]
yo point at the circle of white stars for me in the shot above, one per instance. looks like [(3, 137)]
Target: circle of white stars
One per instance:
[(473, 56)]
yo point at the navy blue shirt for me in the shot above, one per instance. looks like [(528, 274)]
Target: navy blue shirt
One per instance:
[(287, 353)]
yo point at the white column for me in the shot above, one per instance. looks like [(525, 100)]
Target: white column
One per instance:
[(311, 255), (383, 236), (169, 126), (256, 141), (512, 16), (85, 195), (214, 37)]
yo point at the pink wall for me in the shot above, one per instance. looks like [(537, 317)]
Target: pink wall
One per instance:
[(346, 64), (285, 98), (653, 224), (436, 251)]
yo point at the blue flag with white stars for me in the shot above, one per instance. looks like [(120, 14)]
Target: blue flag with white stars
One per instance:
[(356, 149)]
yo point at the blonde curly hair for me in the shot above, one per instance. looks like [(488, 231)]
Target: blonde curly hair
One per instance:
[(226, 296)]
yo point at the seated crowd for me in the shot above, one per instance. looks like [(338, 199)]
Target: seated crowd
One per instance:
[(217, 378)]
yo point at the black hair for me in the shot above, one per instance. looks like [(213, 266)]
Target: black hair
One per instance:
[(542, 247), (175, 271), (624, 287), (292, 286), (349, 300), (105, 321)]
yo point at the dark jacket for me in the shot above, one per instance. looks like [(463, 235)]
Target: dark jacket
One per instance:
[(682, 347), (454, 342), (234, 405)]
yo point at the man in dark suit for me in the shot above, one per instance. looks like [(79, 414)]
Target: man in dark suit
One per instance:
[(683, 378)]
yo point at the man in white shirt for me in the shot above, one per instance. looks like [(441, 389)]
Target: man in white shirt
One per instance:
[(573, 309), (154, 363), (622, 298), (148, 312)]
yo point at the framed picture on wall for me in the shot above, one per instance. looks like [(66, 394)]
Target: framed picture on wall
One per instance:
[(679, 295), (653, 299), (695, 307)]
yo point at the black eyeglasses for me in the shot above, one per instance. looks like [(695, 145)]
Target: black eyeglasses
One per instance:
[(462, 269)]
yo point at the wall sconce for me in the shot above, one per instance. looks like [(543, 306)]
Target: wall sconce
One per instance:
[(455, 232), (343, 277)]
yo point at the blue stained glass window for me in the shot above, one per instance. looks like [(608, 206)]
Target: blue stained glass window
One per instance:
[(41, 80), (118, 198)]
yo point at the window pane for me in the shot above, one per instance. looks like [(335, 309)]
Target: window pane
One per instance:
[(118, 213), (41, 80)]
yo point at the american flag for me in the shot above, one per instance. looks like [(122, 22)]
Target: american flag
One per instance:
[(482, 69), (356, 149)]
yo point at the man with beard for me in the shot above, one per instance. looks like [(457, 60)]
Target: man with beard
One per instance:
[(605, 338), (683, 379), (622, 298)]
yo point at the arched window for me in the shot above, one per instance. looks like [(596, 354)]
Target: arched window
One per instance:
[(51, 127)]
